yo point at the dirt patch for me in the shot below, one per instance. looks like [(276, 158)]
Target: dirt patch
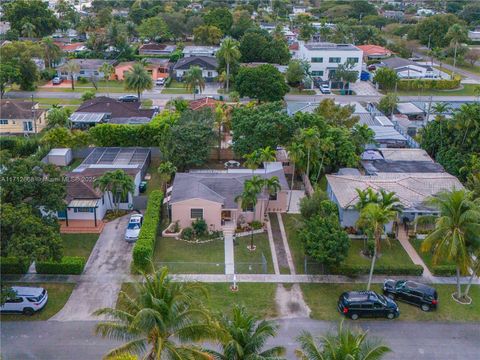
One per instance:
[(290, 303)]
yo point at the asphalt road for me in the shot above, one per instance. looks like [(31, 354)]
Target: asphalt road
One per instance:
[(409, 340)]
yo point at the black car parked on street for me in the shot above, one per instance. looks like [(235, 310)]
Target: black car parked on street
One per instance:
[(411, 292), (355, 304)]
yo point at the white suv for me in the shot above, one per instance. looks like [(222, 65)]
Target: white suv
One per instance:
[(27, 300), (133, 227)]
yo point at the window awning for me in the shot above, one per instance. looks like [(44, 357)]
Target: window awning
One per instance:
[(83, 203)]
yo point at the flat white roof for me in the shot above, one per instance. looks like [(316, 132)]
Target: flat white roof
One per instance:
[(408, 108), (59, 151)]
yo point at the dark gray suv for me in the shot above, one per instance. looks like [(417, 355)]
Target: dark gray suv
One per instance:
[(355, 304)]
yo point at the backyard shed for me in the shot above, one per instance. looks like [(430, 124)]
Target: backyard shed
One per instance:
[(60, 156)]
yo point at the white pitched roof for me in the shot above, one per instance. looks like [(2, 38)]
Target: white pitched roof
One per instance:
[(411, 188)]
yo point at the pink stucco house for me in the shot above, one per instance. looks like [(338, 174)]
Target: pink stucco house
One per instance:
[(211, 196)]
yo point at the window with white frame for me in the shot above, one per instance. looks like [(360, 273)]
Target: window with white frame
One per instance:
[(3, 122), (334, 60), (196, 213)]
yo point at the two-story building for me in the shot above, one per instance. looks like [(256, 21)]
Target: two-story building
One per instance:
[(18, 117), (324, 58), (88, 68)]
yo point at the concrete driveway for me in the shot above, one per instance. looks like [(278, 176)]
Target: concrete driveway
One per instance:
[(111, 255)]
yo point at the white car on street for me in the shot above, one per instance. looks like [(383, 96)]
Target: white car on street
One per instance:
[(325, 89), (27, 300), (133, 227)]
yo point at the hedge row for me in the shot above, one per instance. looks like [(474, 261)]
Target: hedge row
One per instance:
[(69, 265), (13, 265), (145, 245), (428, 84), (354, 270), (444, 270)]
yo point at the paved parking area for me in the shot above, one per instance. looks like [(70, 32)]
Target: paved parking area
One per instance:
[(111, 255), (364, 88)]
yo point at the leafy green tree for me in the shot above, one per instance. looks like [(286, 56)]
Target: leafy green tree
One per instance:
[(271, 188), (242, 21), (53, 53), (259, 46), (176, 24), (337, 115), (166, 170), (388, 104), (59, 117), (260, 126), (117, 184), (229, 53), (194, 80), (71, 67), (138, 79), (457, 231), (386, 78), (246, 336), (345, 344), (345, 74), (178, 104), (295, 73), (88, 95), (153, 28), (432, 29), (28, 234), (9, 73), (207, 35), (161, 318), (42, 20), (323, 238), (191, 139), (264, 83), (362, 135), (219, 17), (108, 70)]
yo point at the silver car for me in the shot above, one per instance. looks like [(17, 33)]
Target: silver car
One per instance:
[(133, 227)]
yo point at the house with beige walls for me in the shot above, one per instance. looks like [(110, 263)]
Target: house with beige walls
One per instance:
[(19, 117), (210, 195)]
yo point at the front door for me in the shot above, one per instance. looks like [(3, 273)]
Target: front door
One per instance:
[(226, 216)]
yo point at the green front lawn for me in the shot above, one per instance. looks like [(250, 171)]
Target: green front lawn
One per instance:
[(467, 90), (427, 257), (182, 257), (58, 295), (78, 244), (247, 261), (290, 222), (154, 183), (175, 91), (322, 300), (295, 91), (258, 298), (391, 255)]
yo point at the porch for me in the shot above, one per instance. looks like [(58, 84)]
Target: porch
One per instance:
[(81, 226)]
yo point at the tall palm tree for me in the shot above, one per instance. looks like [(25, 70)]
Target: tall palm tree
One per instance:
[(365, 197), (311, 140), (343, 345), (108, 70), (72, 68), (52, 52), (28, 30), (467, 119), (222, 120), (138, 79), (245, 337), (159, 314), (456, 34), (252, 160), (272, 187), (118, 184), (267, 154), (230, 53), (457, 230), (373, 219), (249, 198), (295, 154), (166, 171), (194, 80)]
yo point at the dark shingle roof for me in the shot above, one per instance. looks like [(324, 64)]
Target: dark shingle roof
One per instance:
[(15, 109), (205, 62), (117, 109)]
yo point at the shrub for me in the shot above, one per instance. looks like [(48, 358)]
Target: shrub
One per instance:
[(188, 233), (355, 270), (13, 265), (82, 80), (200, 227), (88, 95), (256, 225), (428, 84), (69, 265), (370, 249), (444, 270), (145, 245), (48, 74)]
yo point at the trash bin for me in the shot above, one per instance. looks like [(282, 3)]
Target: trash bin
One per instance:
[(143, 186), (221, 97)]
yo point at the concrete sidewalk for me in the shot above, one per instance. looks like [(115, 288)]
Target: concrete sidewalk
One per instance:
[(412, 253)]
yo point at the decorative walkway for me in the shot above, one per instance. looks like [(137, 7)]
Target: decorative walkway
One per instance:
[(285, 244), (279, 244), (417, 260), (294, 201), (229, 252), (276, 269)]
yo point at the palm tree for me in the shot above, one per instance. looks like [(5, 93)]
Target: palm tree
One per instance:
[(373, 219), (117, 184), (311, 140), (28, 30), (222, 119), (457, 34), (266, 154), (166, 171), (295, 154), (72, 68), (194, 79), (108, 70), (365, 197), (272, 187), (160, 313), (252, 160), (249, 198), (345, 344), (230, 53), (138, 79), (466, 119), (245, 337), (51, 51), (457, 230)]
